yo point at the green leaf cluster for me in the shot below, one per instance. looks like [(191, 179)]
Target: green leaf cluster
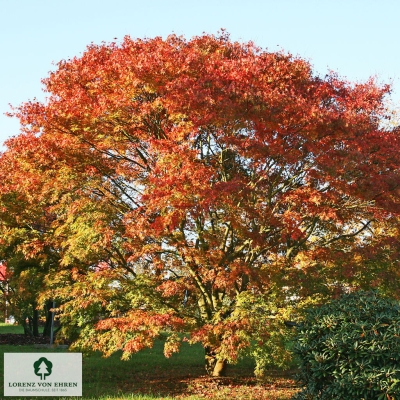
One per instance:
[(350, 349)]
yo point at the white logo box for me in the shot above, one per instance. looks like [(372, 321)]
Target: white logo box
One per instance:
[(42, 374)]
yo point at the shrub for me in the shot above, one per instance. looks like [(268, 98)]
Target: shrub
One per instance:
[(350, 349)]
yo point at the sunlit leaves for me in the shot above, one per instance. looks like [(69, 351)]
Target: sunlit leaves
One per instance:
[(200, 171)]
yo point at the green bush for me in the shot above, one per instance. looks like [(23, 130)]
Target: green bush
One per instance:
[(350, 349)]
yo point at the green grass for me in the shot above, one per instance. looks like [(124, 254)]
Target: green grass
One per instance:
[(149, 375), (7, 328), (110, 378)]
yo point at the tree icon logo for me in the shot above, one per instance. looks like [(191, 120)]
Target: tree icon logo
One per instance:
[(43, 367)]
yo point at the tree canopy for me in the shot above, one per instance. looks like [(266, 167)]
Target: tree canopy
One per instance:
[(199, 186)]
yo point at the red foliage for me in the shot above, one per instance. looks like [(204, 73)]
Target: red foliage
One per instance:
[(210, 167)]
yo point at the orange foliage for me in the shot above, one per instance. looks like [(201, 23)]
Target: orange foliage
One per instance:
[(207, 168)]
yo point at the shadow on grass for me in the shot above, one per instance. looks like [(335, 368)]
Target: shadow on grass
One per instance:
[(148, 374)]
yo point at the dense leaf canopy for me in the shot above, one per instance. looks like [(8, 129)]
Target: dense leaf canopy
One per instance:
[(188, 184)]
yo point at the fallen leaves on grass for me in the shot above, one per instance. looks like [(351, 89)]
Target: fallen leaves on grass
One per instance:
[(238, 389), (21, 339), (179, 382), (197, 386)]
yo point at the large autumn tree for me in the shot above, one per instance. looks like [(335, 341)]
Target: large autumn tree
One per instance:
[(200, 186)]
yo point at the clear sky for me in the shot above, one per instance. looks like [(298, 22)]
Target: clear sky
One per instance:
[(356, 38)]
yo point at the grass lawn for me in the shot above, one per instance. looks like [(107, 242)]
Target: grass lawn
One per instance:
[(7, 328), (149, 375)]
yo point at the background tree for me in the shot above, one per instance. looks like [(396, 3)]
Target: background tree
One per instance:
[(194, 183), (24, 231)]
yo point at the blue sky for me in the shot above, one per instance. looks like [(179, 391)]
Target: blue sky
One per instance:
[(356, 38)]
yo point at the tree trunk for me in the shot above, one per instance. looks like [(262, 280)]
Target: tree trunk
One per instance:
[(47, 326), (25, 325), (214, 366), (35, 321), (30, 324)]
